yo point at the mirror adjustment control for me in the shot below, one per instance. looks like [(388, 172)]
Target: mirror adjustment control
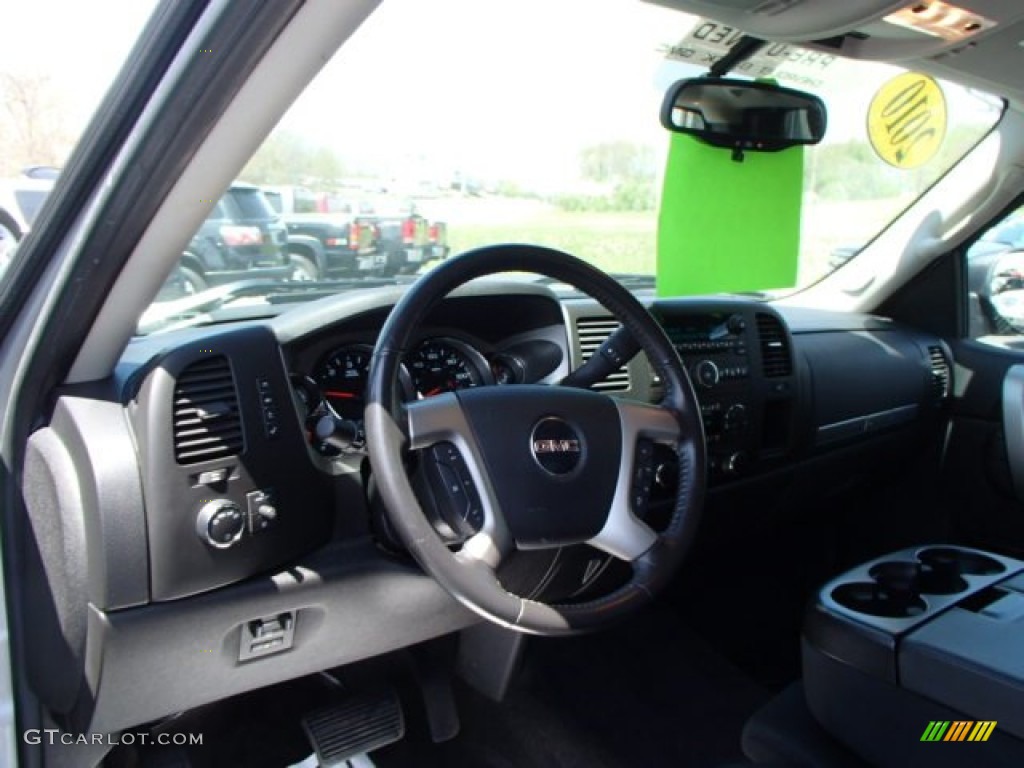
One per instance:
[(263, 510), (220, 523)]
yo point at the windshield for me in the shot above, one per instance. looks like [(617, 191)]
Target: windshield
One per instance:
[(444, 126)]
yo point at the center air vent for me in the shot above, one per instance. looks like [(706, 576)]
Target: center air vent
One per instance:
[(207, 422), (775, 356), (592, 331), (941, 373)]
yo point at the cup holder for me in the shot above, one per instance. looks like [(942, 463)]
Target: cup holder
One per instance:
[(894, 593), (897, 588), (950, 560)]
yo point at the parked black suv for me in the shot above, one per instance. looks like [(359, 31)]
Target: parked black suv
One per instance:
[(243, 237)]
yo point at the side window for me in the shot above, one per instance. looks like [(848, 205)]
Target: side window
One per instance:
[(995, 278)]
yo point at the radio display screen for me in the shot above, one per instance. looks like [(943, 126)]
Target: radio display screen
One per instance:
[(685, 329)]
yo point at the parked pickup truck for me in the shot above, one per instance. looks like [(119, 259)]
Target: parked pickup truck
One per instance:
[(406, 240), (331, 244), (327, 236), (348, 236)]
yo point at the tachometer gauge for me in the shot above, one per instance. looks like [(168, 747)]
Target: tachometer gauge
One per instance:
[(444, 365), (342, 379)]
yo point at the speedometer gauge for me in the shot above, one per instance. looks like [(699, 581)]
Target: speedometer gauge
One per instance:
[(342, 379), (444, 365)]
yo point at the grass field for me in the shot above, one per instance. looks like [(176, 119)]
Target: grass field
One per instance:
[(615, 242), (627, 242)]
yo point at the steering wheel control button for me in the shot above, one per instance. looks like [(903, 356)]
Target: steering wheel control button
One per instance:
[(263, 512), (460, 506), (643, 476), (556, 445), (221, 523)]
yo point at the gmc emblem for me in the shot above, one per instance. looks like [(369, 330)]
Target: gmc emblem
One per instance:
[(556, 446)]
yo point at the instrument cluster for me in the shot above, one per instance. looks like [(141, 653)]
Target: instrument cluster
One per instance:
[(336, 386), (434, 366)]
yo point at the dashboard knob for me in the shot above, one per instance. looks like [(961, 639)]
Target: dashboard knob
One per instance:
[(736, 418), (736, 324), (706, 373), (735, 464), (220, 523)]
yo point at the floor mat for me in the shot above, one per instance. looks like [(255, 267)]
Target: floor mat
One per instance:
[(646, 693)]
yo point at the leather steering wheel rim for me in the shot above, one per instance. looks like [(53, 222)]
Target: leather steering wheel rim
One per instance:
[(391, 424)]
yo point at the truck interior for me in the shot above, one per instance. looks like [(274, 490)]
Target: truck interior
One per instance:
[(529, 507)]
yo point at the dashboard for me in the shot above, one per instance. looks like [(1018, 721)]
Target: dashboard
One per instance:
[(207, 505)]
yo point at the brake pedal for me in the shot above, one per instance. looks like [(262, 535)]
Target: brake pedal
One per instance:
[(361, 723)]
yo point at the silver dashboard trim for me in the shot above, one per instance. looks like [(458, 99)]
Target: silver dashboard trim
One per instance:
[(624, 535), (867, 424)]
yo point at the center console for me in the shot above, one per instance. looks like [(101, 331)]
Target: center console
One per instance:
[(740, 362), (920, 646)]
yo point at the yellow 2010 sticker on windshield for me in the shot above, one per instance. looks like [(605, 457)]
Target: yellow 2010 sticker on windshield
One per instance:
[(907, 120)]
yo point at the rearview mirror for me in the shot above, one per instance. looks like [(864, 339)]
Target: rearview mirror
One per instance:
[(743, 115)]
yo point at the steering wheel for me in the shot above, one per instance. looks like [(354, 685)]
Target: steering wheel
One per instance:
[(551, 465)]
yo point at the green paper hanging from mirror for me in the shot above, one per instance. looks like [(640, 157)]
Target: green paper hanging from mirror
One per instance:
[(728, 226)]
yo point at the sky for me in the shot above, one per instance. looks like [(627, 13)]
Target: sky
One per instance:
[(80, 45), (500, 90), (493, 88), (415, 84)]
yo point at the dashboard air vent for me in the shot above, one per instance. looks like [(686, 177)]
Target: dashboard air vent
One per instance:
[(591, 332), (941, 373), (774, 346), (207, 421)]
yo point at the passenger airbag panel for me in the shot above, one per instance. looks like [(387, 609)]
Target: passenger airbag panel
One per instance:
[(863, 381)]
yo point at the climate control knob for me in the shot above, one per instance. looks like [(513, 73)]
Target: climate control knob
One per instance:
[(221, 523), (706, 373), (736, 418), (735, 464)]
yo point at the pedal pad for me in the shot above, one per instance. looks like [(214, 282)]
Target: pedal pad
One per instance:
[(361, 723)]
